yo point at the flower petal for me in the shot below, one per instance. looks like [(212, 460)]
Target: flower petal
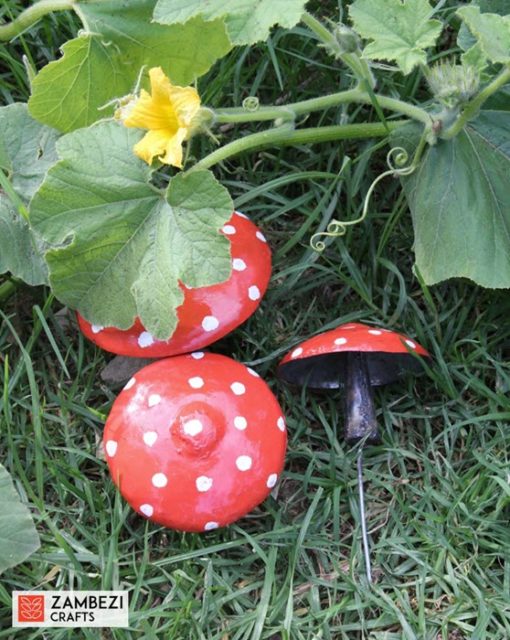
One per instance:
[(186, 103), (154, 143), (149, 114), (160, 86), (173, 155)]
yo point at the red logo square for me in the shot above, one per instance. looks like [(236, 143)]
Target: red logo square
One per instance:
[(31, 608)]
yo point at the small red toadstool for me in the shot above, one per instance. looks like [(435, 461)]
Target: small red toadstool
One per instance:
[(207, 313), (356, 357), (195, 442)]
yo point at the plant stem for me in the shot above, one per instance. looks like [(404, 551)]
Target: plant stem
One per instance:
[(472, 108), (292, 110), (31, 15), (286, 112), (359, 67), (332, 45), (7, 288), (285, 136)]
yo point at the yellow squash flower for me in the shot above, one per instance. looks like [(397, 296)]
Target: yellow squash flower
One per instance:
[(167, 112)]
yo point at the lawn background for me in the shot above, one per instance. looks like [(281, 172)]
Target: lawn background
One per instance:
[(438, 490)]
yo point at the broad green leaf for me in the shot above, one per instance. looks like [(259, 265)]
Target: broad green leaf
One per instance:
[(18, 536), (499, 101), (20, 253), (492, 31), (247, 21), (460, 204), (475, 57), (105, 62), (400, 30), (68, 94), (27, 151), (120, 246), (474, 53)]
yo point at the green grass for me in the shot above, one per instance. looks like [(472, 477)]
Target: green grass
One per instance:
[(438, 490)]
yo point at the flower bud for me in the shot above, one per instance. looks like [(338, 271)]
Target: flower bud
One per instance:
[(347, 39), (453, 84)]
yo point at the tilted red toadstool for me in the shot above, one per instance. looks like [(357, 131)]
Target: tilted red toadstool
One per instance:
[(195, 442), (207, 313), (356, 357)]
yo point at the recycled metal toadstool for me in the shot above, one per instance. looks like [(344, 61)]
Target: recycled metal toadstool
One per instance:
[(207, 313), (355, 357), (195, 442)]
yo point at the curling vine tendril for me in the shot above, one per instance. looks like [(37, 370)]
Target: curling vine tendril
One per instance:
[(397, 160)]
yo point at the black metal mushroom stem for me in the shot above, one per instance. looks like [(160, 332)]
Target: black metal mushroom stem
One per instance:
[(360, 427), (360, 423)]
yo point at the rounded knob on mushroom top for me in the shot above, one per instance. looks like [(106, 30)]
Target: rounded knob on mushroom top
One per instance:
[(321, 361), (207, 313), (195, 442)]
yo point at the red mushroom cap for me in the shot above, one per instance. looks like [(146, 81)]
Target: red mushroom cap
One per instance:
[(207, 313), (195, 442), (320, 361)]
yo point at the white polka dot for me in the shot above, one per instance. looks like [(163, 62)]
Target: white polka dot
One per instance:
[(229, 230), (196, 383), (193, 427), (197, 355), (253, 373), (203, 483), (411, 344), (130, 383), (271, 481), (96, 328), (147, 509), (254, 292), (280, 423), (238, 388), (210, 323), (375, 332), (241, 215), (159, 480), (154, 399), (261, 236), (145, 339), (296, 353), (210, 526), (150, 437), (111, 448), (240, 423), (341, 341), (243, 463), (238, 264)]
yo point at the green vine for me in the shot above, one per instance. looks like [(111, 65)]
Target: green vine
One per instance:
[(32, 15), (396, 159), (285, 135)]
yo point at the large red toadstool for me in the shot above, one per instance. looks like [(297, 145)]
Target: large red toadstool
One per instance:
[(207, 313), (195, 442)]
